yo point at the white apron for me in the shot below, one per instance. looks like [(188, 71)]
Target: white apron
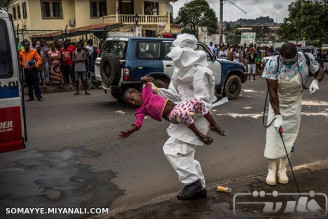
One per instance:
[(290, 98)]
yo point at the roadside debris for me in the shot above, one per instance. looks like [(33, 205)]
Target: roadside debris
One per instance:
[(121, 112), (223, 189)]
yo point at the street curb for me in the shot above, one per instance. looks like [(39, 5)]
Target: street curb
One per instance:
[(235, 184)]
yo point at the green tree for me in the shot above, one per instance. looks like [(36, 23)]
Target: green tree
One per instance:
[(307, 20), (228, 27), (195, 14), (4, 5)]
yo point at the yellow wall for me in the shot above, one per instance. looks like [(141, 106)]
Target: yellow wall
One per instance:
[(111, 7), (21, 21), (175, 29), (82, 13), (139, 7), (78, 9), (37, 22), (161, 8)]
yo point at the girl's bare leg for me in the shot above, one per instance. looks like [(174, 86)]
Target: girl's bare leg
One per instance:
[(194, 129), (213, 124), (203, 138)]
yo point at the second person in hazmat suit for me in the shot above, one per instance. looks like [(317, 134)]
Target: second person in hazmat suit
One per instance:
[(191, 79)]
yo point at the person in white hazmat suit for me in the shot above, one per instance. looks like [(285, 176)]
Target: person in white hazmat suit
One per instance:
[(191, 79), (286, 76)]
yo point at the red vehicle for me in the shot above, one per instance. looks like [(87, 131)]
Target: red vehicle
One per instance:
[(12, 121)]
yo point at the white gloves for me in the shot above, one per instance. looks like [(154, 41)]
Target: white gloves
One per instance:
[(314, 86), (278, 122)]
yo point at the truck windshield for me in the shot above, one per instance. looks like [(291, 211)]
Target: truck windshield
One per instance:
[(116, 47), (5, 54)]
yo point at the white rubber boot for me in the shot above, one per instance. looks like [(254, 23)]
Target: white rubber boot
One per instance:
[(282, 176), (272, 170)]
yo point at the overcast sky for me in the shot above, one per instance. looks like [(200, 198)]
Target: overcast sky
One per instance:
[(276, 9)]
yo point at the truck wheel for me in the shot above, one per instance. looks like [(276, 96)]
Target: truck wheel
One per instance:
[(159, 83), (110, 69), (117, 96), (232, 87)]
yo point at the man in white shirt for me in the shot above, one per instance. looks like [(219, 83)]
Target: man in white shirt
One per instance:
[(223, 54), (154, 10), (211, 47), (89, 47)]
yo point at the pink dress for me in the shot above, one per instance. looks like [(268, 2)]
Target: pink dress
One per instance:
[(152, 105)]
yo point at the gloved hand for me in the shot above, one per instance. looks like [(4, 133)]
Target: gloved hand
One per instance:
[(314, 86), (278, 122)]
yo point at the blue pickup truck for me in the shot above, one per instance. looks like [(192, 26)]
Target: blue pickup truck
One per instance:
[(122, 61)]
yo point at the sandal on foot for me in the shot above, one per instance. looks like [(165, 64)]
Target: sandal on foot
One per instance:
[(206, 140), (219, 131)]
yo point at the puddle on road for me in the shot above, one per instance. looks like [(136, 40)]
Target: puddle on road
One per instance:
[(54, 179)]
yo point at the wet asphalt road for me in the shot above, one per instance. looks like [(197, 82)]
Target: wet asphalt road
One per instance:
[(74, 158)]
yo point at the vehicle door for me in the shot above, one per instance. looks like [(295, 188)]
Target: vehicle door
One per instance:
[(214, 65), (167, 62), (12, 125)]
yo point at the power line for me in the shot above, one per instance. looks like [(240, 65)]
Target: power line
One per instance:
[(237, 6), (221, 16)]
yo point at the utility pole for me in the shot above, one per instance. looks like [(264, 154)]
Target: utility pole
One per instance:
[(221, 17), (221, 22)]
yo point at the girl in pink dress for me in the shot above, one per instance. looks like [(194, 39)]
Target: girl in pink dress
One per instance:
[(158, 107)]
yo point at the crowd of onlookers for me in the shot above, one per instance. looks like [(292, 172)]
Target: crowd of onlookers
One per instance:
[(66, 63), (252, 56), (58, 63), (322, 57)]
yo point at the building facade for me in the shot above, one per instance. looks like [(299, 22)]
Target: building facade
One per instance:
[(151, 15)]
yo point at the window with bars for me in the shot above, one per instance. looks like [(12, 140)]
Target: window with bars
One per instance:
[(98, 8), (51, 9), (14, 13), (18, 12), (24, 10)]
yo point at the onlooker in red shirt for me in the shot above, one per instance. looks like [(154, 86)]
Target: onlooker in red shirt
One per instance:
[(67, 62), (72, 47), (101, 42)]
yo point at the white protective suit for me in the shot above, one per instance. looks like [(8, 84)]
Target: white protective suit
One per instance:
[(191, 79)]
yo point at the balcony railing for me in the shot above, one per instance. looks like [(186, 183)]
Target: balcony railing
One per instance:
[(130, 19)]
